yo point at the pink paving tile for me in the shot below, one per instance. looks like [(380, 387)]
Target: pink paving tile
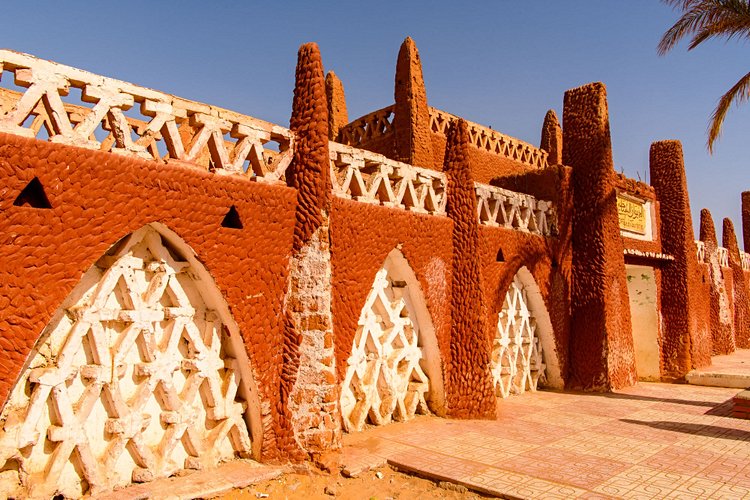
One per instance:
[(681, 459)]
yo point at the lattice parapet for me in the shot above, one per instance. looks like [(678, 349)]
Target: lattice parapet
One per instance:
[(384, 379), (745, 258), (723, 255), (372, 178), (162, 127), (492, 141), (133, 380), (523, 212), (700, 248), (517, 360), (371, 126)]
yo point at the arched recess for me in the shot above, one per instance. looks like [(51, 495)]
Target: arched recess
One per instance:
[(394, 370), (524, 353), (140, 373)]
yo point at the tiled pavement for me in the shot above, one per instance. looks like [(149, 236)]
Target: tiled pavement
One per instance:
[(649, 441), (731, 370)]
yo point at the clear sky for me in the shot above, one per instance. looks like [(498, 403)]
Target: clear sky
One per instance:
[(498, 63)]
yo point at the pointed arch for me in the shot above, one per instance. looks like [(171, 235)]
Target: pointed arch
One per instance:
[(524, 352), (141, 372), (394, 370)]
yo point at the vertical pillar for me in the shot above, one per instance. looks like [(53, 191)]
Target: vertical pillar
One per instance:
[(411, 119), (337, 114), (741, 313), (470, 389), (746, 220), (721, 316), (311, 375), (685, 337), (552, 138), (601, 341)]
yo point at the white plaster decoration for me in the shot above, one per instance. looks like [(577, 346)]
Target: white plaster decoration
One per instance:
[(723, 254), (165, 128), (492, 141), (523, 352), (647, 255), (371, 126), (701, 250), (135, 378), (745, 258), (372, 178), (393, 372), (522, 212)]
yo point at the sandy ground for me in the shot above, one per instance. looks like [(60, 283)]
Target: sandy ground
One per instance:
[(381, 484)]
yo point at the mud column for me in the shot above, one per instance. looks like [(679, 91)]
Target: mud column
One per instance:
[(746, 220), (601, 342), (686, 339), (741, 313), (309, 362), (721, 314), (411, 119), (469, 388)]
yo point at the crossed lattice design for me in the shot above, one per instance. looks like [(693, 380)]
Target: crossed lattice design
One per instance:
[(722, 254), (492, 141), (135, 380), (500, 207), (384, 380), (364, 129), (168, 128), (517, 362), (372, 178)]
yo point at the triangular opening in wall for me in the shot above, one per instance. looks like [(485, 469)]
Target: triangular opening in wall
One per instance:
[(33, 196), (232, 219)]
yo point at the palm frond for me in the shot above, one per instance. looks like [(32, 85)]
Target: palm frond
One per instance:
[(705, 19), (739, 93)]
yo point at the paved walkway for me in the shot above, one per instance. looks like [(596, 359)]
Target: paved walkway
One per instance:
[(649, 441), (731, 370)]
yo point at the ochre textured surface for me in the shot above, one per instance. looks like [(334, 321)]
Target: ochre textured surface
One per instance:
[(470, 391), (741, 313), (97, 198), (552, 138), (746, 220), (721, 318), (686, 341), (412, 118), (337, 115), (601, 341)]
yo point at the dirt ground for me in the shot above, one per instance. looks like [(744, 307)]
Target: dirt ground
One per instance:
[(383, 483)]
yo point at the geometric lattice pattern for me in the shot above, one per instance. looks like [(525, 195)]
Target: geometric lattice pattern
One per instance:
[(511, 210), (384, 380), (369, 127), (517, 361), (133, 381)]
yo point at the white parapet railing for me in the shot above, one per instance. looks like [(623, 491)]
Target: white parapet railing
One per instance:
[(745, 258), (701, 250), (368, 127), (492, 141), (722, 254), (162, 127), (503, 208), (372, 178)]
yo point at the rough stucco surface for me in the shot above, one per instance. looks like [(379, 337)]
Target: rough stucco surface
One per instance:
[(552, 139), (601, 342), (721, 317), (337, 115), (746, 220), (470, 388), (741, 313), (98, 198), (362, 236), (686, 341), (412, 117)]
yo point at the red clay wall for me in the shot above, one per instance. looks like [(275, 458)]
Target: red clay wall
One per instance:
[(98, 198)]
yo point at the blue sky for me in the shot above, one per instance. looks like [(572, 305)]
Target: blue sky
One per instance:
[(498, 63)]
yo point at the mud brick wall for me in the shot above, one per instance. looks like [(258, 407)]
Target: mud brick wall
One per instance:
[(98, 198)]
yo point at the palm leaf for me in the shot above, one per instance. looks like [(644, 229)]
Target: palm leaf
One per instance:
[(739, 93)]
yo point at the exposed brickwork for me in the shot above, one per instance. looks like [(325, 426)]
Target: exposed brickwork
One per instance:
[(470, 389), (313, 399), (721, 317), (686, 337), (412, 118), (601, 342), (97, 198), (741, 405), (337, 115), (741, 313), (552, 138)]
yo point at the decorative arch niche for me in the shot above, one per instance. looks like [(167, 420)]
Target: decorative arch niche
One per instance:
[(140, 373), (524, 353), (394, 370)]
